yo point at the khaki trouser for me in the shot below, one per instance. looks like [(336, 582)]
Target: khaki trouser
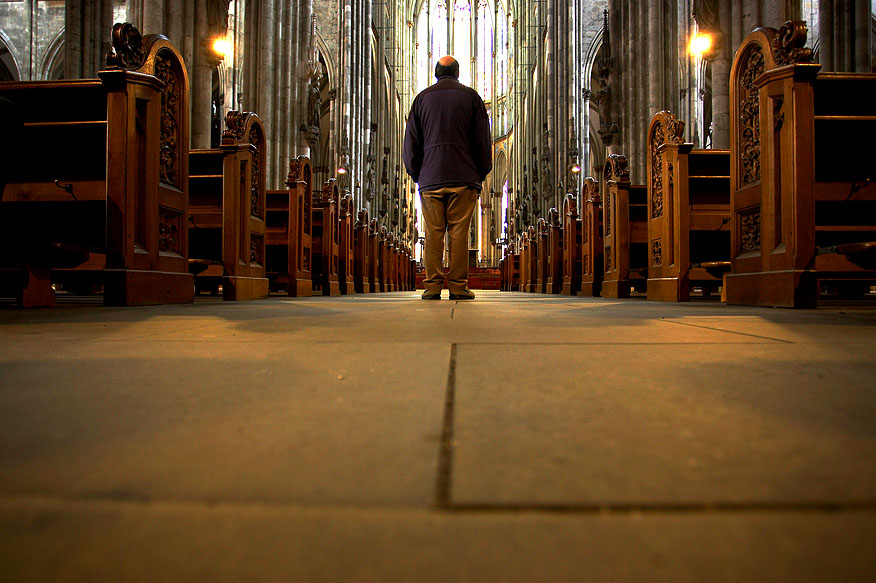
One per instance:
[(447, 210)]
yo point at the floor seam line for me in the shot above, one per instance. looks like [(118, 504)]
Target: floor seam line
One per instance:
[(746, 334), (445, 454)]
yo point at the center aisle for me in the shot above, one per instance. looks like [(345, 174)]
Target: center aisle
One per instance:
[(515, 437)]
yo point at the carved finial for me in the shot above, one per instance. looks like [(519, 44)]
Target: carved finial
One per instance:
[(674, 128), (294, 172), (235, 124), (127, 50), (361, 218), (788, 44), (328, 190), (372, 226), (616, 167), (591, 190)]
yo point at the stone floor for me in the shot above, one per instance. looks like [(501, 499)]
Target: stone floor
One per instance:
[(383, 438)]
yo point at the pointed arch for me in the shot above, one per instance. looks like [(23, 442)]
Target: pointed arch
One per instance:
[(10, 69)]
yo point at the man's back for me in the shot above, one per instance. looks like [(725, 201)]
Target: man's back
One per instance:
[(447, 140)]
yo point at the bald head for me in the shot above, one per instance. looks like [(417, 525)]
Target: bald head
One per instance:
[(447, 67)]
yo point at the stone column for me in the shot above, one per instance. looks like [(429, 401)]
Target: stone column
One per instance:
[(88, 25), (201, 81), (721, 82)]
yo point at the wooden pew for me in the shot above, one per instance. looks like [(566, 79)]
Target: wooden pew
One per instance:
[(571, 247), (288, 233), (325, 241), (515, 269), (345, 245), (688, 213), (100, 182), (391, 263), (530, 282), (555, 252), (503, 270), (383, 270), (543, 258), (227, 211), (375, 259), (525, 251), (625, 236), (802, 192), (591, 240), (361, 253)]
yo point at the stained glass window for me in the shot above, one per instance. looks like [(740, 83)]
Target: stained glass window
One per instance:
[(462, 39), (485, 51), (424, 65), (440, 31)]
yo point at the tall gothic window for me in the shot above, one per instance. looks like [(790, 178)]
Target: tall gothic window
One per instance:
[(476, 33), (485, 51), (462, 40), (440, 30), (424, 66)]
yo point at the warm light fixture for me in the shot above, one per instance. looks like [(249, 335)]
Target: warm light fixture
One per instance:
[(700, 44), (222, 47), (576, 168), (342, 170)]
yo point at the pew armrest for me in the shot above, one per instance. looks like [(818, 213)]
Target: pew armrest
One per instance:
[(861, 254)]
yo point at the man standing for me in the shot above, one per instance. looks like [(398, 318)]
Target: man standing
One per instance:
[(448, 152)]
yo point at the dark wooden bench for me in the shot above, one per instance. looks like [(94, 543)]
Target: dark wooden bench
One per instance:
[(530, 283), (554, 274), (625, 236), (227, 211), (802, 191), (688, 213), (592, 270), (325, 241), (288, 233), (345, 245), (361, 254), (391, 257), (99, 183), (571, 246), (542, 261), (375, 271), (383, 270), (525, 252)]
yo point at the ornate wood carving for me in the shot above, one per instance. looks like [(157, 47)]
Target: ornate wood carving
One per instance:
[(169, 229), (750, 116), (778, 114), (607, 213), (671, 185), (294, 172), (750, 226), (607, 255), (255, 138), (235, 124), (256, 249), (657, 252), (657, 140), (171, 113), (788, 44), (127, 47)]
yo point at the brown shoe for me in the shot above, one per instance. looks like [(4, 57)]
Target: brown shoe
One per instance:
[(430, 294), (465, 294)]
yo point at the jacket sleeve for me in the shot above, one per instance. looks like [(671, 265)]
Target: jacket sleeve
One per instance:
[(413, 144), (482, 145)]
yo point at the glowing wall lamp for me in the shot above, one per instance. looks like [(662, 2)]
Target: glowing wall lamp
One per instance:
[(221, 47), (701, 45)]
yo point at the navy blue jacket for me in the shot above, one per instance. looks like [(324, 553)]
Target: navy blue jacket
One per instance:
[(447, 138)]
